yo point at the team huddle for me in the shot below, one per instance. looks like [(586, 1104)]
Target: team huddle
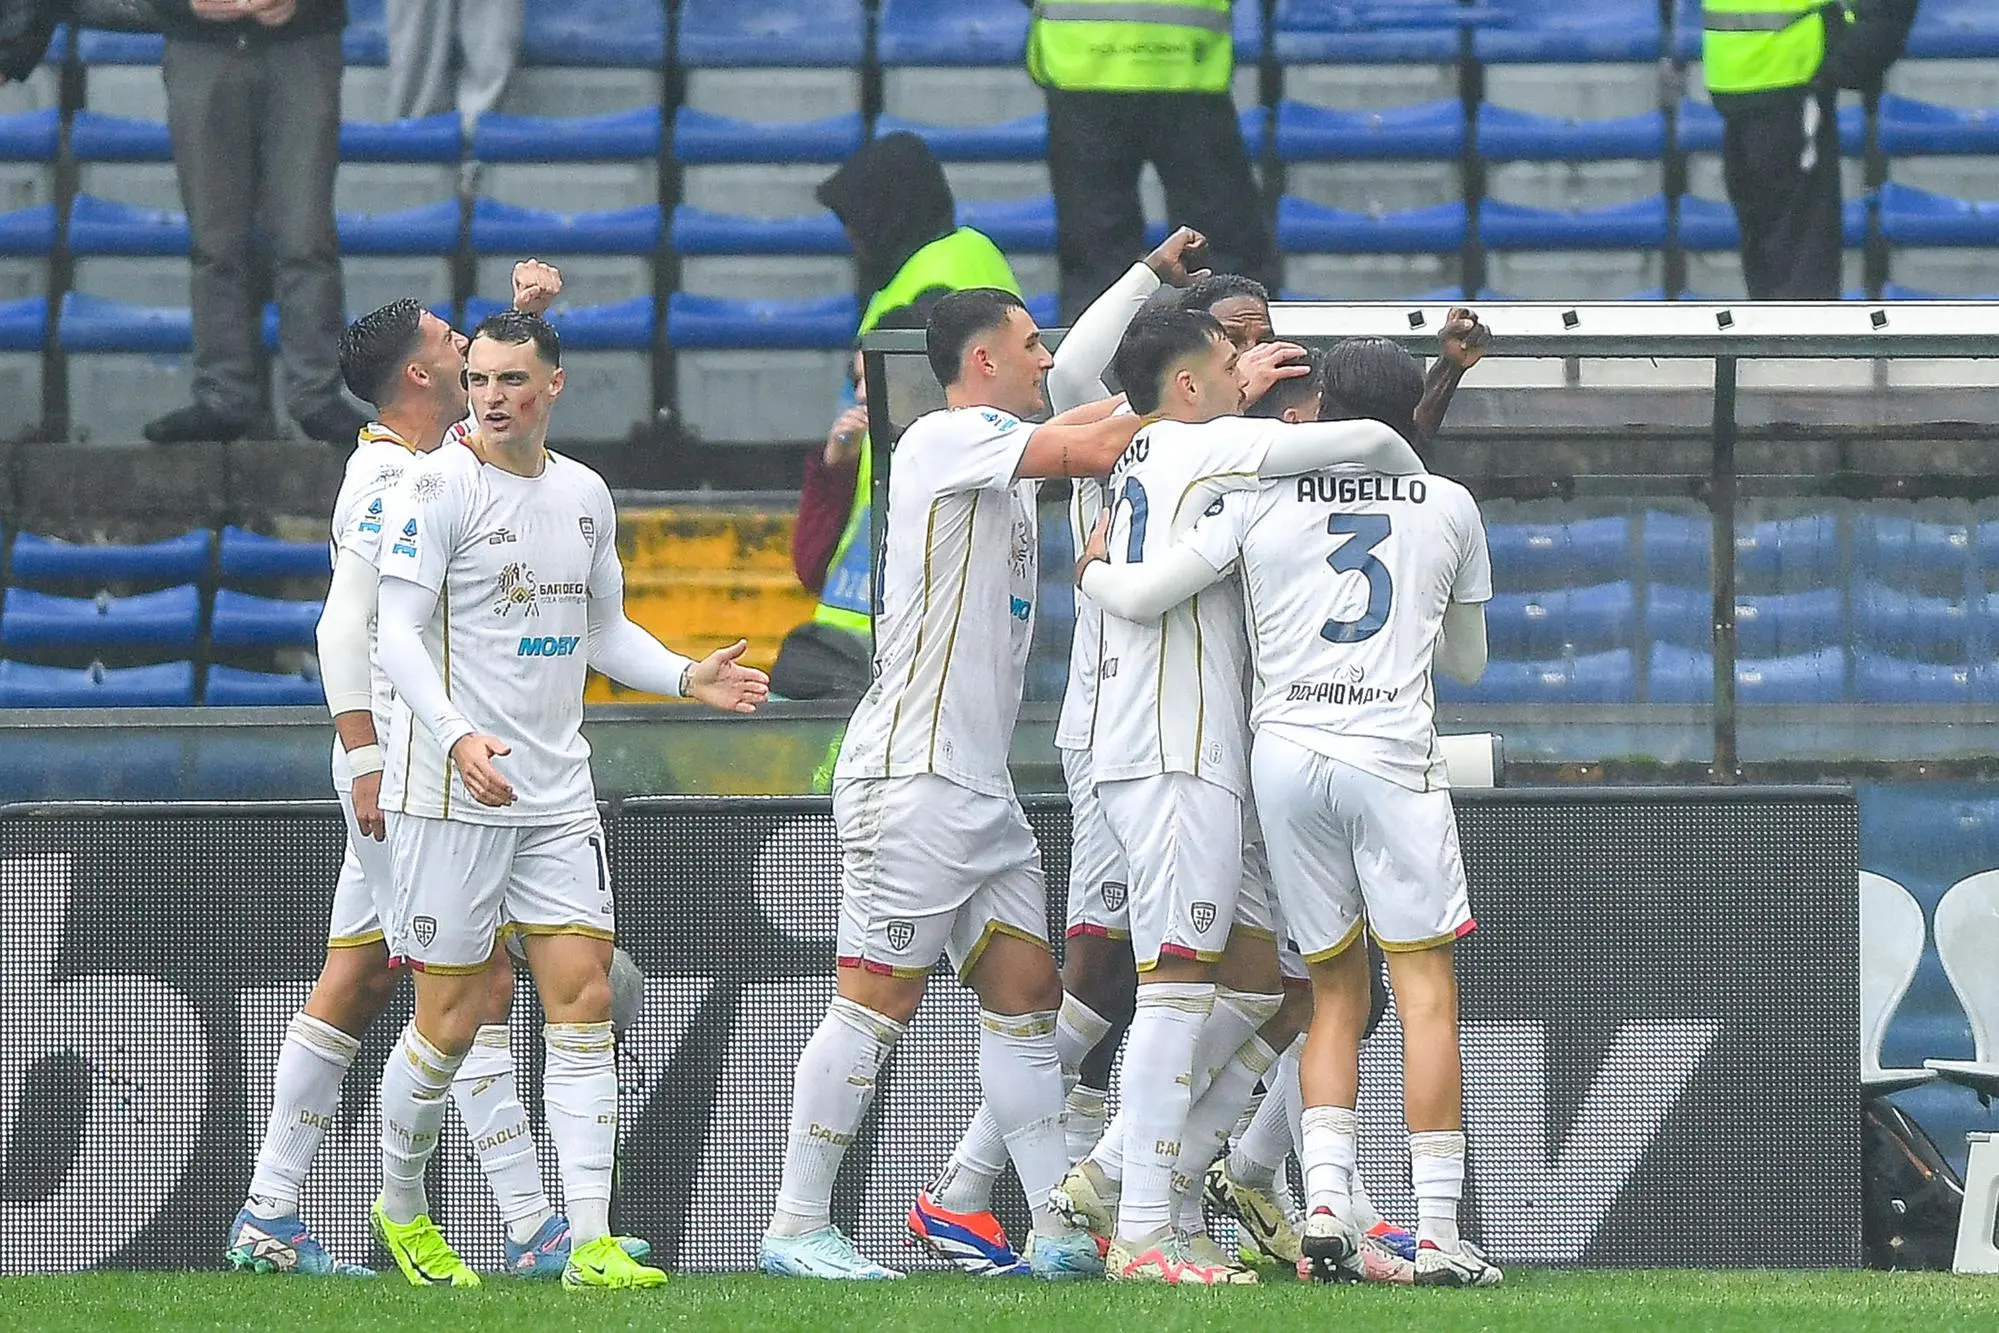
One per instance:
[(1268, 578)]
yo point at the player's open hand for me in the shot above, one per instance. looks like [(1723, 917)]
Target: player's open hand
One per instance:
[(536, 285), (720, 680), (1465, 339), (474, 755), (368, 806), (1097, 547), (1170, 260), (1265, 364)]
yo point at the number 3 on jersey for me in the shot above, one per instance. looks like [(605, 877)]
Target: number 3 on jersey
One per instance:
[(1355, 555)]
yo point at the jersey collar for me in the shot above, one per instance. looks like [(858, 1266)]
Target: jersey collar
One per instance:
[(376, 433)]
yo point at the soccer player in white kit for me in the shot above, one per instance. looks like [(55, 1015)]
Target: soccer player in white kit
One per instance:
[(937, 858), (500, 583), (409, 364), (1168, 752), (1357, 583)]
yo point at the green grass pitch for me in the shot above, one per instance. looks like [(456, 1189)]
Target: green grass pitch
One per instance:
[(1530, 1302)]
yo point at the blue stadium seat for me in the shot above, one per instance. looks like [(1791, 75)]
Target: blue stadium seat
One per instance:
[(1910, 624), (1602, 30), (1797, 550), (1506, 135), (1021, 140), (428, 229), (231, 687), (167, 620), (95, 136), (726, 34), (614, 326), (99, 324), (1598, 678), (1916, 217), (102, 46), (1539, 556), (1559, 621), (23, 324), (1879, 678), (40, 560), (1686, 676), (1307, 228), (28, 231), (1045, 308), (104, 227), (1955, 30), (443, 310), (169, 685), (591, 33), (247, 556), (30, 136), (697, 231), (700, 137), (1683, 40), (1888, 545), (1017, 226), (1910, 128), (438, 138), (499, 228), (718, 322), (1339, 32), (956, 32), (244, 621), (1677, 547), (1422, 131), (1766, 624), (366, 38), (612, 136), (1638, 224)]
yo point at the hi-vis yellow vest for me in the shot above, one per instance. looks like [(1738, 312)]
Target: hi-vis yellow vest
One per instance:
[(1116, 46), (1755, 46)]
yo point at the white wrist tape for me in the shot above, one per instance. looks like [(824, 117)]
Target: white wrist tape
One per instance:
[(364, 759)]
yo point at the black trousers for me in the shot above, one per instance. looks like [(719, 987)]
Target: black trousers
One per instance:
[(1780, 160), (1097, 145)]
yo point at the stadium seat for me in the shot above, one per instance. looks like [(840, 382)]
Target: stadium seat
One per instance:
[(1024, 226), (699, 138), (42, 560), (438, 138), (169, 685), (95, 136), (30, 136), (1640, 223), (723, 34), (700, 232), (365, 40), (1506, 135), (1024, 139), (1954, 30), (1910, 624), (1618, 31), (244, 621), (429, 229), (1766, 625), (1879, 678), (1304, 227), (1790, 551), (165, 621), (1598, 678), (1912, 128), (1892, 939), (956, 32), (102, 227), (1540, 556), (1337, 32), (1888, 545), (619, 326), (232, 687), (1686, 676), (594, 33), (1545, 625), (508, 229), (98, 324), (617, 134), (1916, 217), (102, 46), (717, 322), (1427, 130), (249, 556)]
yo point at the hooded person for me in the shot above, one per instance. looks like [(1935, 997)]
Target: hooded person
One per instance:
[(897, 209)]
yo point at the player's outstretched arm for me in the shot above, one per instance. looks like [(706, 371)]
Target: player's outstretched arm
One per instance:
[(1083, 442), (1078, 374), (1314, 445), (1461, 649), (627, 654), (1144, 591), (1465, 340), (343, 671), (403, 609), (536, 285)]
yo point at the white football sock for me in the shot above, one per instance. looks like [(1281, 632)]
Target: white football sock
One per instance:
[(1022, 1076), (305, 1094), (1236, 1017), (966, 1183), (1108, 1155), (1437, 1172), (1365, 1215), (1260, 1151), (1083, 1120), (829, 1098), (489, 1102), (1212, 1115), (414, 1084), (1158, 1060), (1331, 1146), (580, 1097)]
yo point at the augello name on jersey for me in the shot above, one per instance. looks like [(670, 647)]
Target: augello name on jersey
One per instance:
[(1324, 489)]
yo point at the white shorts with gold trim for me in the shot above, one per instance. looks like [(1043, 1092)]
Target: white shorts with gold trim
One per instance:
[(1182, 838), (363, 887), (1099, 884)]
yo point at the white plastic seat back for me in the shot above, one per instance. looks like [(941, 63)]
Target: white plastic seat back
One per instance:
[(1892, 935), (1967, 927)]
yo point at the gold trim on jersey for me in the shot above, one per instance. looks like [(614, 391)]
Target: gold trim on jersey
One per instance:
[(376, 433), (444, 604), (1200, 680), (993, 928), (1346, 942), (1196, 482), (922, 623), (361, 941), (957, 618)]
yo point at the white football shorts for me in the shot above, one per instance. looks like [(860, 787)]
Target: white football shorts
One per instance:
[(1351, 850), (362, 889), (1098, 881), (930, 869), (1257, 911), (458, 884), (1182, 839)]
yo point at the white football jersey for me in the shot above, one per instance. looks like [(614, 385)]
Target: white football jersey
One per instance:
[(514, 561), (1346, 575), (958, 585), (373, 469), (1170, 691)]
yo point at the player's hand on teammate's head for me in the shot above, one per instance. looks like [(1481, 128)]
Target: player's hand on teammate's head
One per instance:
[(474, 755), (1465, 338), (1097, 547), (1170, 260), (1263, 365), (536, 285), (368, 806), (720, 680)]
